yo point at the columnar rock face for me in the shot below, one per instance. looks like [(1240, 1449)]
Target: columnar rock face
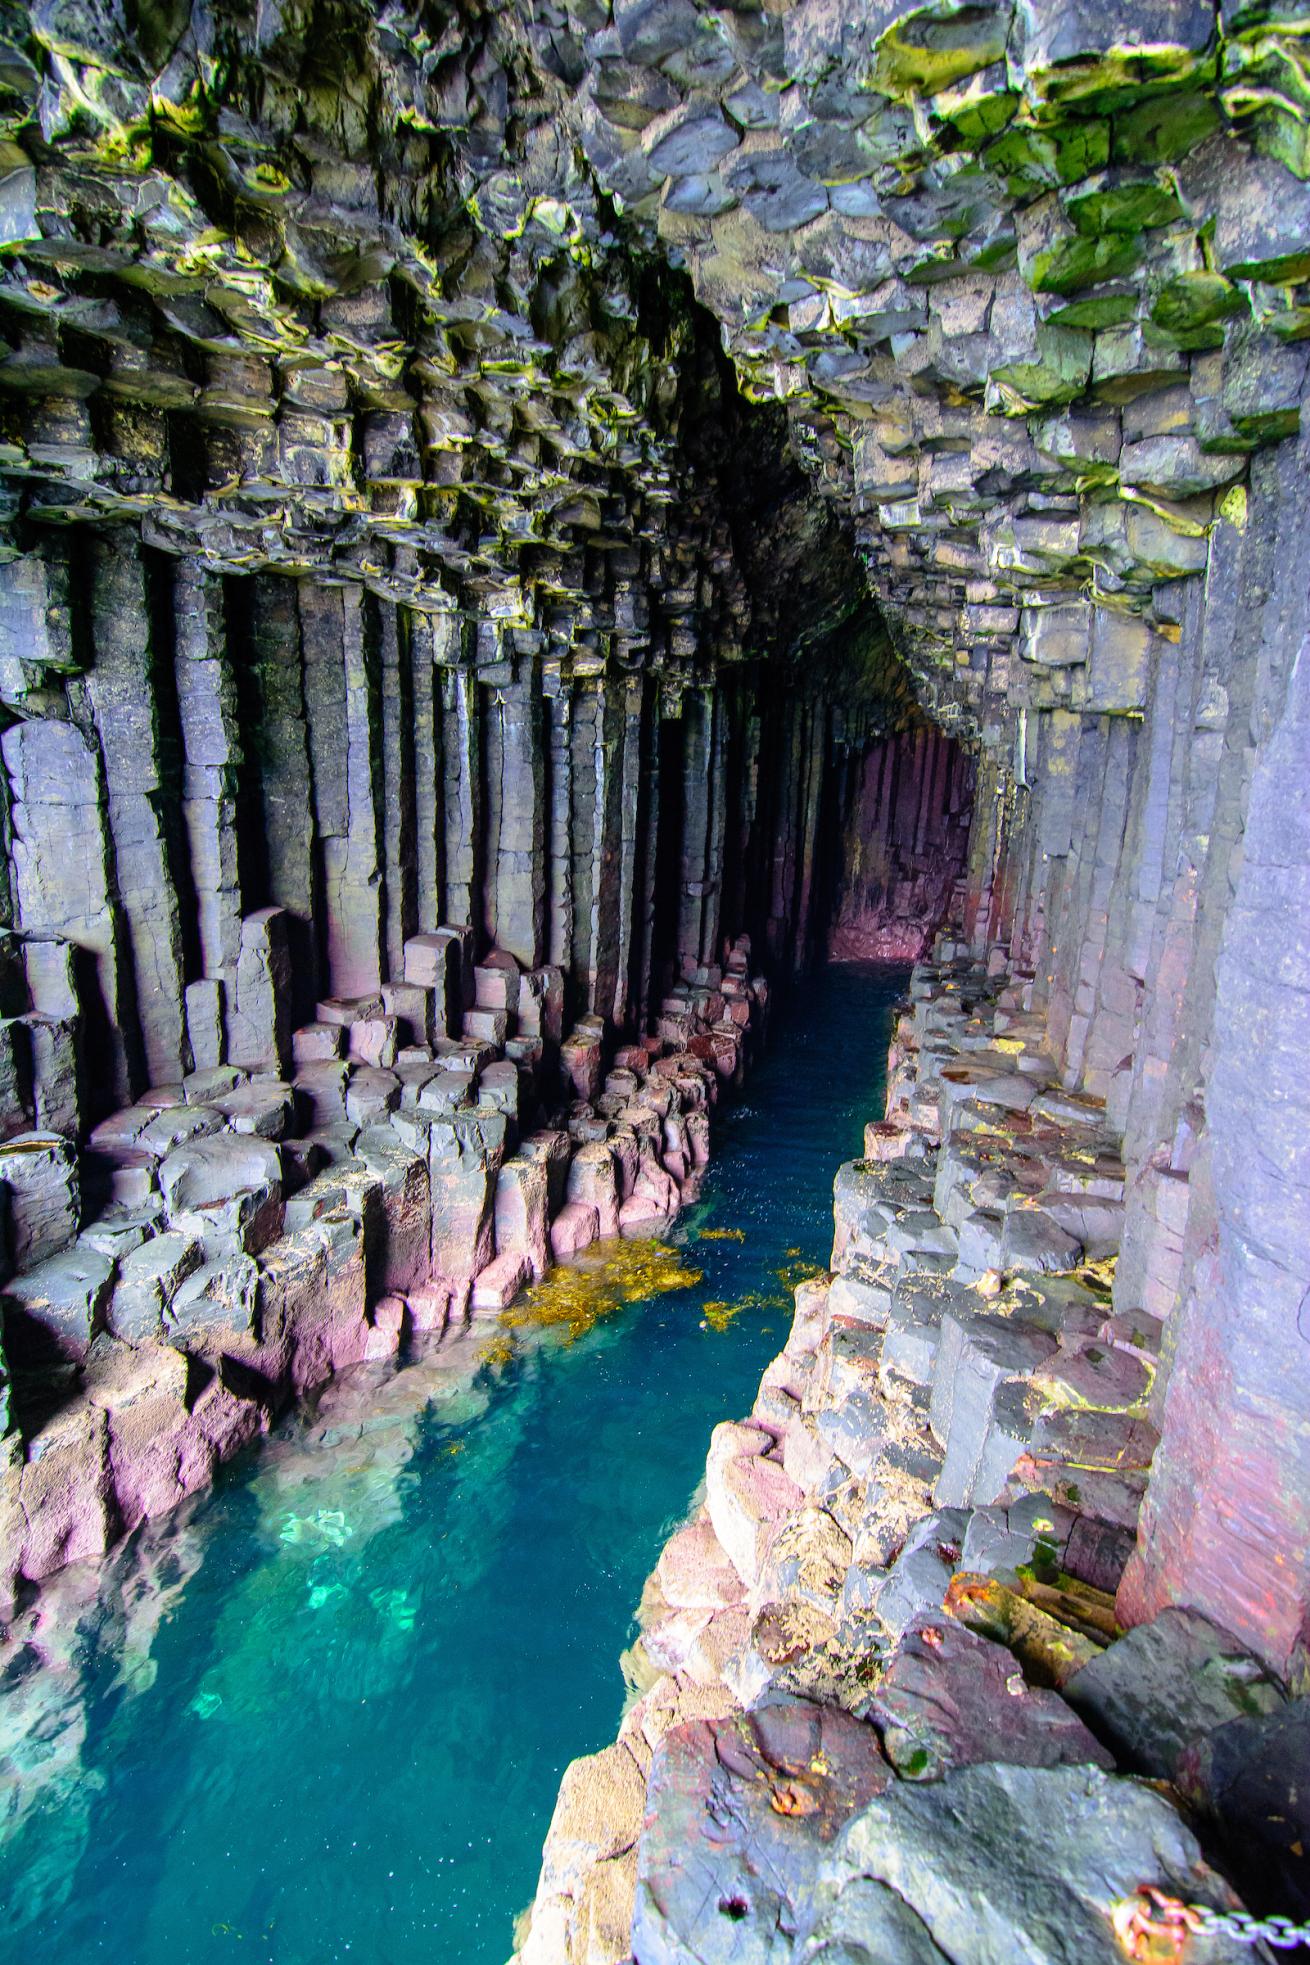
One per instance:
[(500, 503), (908, 803), (422, 672)]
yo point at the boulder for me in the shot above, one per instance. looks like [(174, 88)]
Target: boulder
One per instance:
[(998, 1862)]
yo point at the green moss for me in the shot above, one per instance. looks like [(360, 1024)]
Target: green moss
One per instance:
[(1192, 341), (921, 55), (978, 118), (1119, 79), (1032, 160), (1124, 207), (1195, 300), (1163, 129), (1082, 262), (1112, 307)]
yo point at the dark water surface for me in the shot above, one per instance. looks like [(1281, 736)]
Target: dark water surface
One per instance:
[(320, 1713)]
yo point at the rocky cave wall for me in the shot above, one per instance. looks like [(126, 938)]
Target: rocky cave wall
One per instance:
[(420, 668), (1029, 280), (361, 320)]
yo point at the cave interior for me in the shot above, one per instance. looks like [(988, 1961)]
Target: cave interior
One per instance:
[(523, 529)]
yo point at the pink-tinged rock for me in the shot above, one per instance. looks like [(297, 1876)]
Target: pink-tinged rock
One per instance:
[(634, 1058), (345, 1010), (312, 1292), (541, 1004), (414, 1009), (725, 1053), (554, 1149), (592, 1178), (582, 1061), (400, 1223), (626, 1154), (698, 1136), (574, 1228), (224, 1421), (144, 1393), (694, 1572), (317, 1043), (373, 1040), (655, 1185), (806, 1455), (885, 1141), (1142, 1336), (522, 1189), (386, 1327), (1095, 1376), (440, 962), (496, 987), (951, 1698), (811, 1319), (491, 1026), (670, 1644), (430, 1306), (499, 1283), (640, 1213), (740, 1812), (675, 1140), (67, 1492), (466, 1150), (747, 1495)]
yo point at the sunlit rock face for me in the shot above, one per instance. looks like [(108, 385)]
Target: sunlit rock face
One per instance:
[(590, 483)]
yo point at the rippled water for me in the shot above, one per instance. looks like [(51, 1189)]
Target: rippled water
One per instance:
[(320, 1713)]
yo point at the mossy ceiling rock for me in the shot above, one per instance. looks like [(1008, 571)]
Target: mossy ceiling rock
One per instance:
[(936, 46), (1260, 217), (1265, 82), (1077, 51), (1195, 300), (940, 224), (1033, 159)]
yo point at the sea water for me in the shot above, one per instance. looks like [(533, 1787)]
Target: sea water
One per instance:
[(320, 1713)]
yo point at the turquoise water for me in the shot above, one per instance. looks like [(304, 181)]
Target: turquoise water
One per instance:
[(320, 1713)]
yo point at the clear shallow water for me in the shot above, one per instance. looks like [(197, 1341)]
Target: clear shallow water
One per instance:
[(320, 1713)]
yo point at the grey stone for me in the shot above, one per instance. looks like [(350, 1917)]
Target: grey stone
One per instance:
[(148, 1279), (54, 1309), (994, 1857), (215, 1304), (1151, 1695)]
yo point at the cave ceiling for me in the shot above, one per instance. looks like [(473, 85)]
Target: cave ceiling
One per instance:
[(907, 345)]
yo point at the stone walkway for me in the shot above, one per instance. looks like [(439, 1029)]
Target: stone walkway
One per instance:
[(885, 1708)]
